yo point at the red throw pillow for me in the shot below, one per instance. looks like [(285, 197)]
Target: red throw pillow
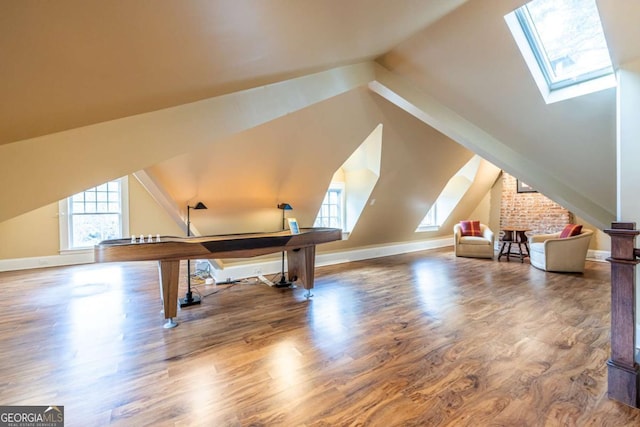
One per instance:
[(570, 230), (470, 228)]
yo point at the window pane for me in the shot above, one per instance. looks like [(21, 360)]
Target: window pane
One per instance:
[(77, 208), (430, 219), (330, 212), (89, 230)]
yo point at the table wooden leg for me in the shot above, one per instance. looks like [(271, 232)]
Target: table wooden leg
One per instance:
[(169, 273), (301, 264)]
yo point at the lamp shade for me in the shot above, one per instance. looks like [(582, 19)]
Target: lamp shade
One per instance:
[(285, 206), (199, 205)]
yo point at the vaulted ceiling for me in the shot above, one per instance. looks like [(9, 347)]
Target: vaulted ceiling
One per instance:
[(72, 63), (78, 76)]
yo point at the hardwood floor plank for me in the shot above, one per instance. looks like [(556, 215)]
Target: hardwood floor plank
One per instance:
[(421, 339)]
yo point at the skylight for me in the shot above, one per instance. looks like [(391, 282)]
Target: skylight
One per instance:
[(567, 40)]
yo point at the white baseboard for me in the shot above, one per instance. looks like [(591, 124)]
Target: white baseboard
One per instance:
[(66, 258), (240, 271), (592, 254), (601, 256)]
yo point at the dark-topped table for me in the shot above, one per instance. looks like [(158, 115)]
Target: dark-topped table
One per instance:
[(514, 236)]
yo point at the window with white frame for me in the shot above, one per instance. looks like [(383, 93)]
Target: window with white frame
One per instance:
[(567, 39), (431, 219), (563, 45), (93, 215), (331, 212)]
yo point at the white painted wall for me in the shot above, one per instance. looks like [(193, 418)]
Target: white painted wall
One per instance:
[(628, 155)]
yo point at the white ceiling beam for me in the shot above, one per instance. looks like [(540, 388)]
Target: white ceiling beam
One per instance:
[(51, 167)]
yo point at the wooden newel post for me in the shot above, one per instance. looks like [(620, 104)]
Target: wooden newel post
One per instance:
[(624, 384)]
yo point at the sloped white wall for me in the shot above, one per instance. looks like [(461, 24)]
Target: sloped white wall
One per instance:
[(629, 154)]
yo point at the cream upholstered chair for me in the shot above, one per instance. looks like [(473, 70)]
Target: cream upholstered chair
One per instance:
[(550, 252), (472, 246)]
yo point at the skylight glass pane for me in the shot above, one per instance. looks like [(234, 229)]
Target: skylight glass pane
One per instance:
[(567, 39)]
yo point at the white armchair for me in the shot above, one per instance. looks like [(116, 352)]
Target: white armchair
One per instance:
[(549, 252), (471, 246)]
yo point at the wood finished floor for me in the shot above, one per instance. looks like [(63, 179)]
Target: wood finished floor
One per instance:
[(423, 339)]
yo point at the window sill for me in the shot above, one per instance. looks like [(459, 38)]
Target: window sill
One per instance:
[(579, 89), (77, 251), (424, 228)]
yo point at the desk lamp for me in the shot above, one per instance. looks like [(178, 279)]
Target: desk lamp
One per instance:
[(283, 283), (189, 299)]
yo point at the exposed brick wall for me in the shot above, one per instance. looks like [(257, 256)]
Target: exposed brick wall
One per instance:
[(530, 210)]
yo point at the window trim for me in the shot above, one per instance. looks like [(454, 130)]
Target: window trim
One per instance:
[(64, 218)]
